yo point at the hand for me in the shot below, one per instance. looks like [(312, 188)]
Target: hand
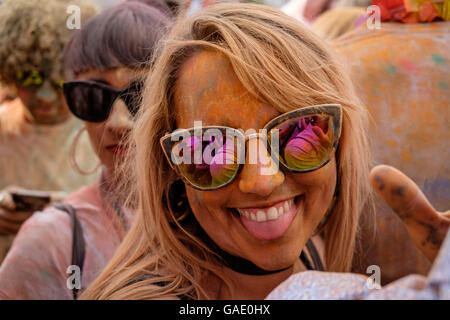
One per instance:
[(10, 219), (425, 225)]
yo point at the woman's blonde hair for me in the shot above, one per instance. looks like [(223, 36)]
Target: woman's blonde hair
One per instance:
[(280, 62)]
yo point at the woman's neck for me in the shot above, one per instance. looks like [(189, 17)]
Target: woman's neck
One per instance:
[(255, 287), (107, 183), (249, 287), (106, 177)]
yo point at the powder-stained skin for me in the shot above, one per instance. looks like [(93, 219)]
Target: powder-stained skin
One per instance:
[(426, 226), (208, 89)]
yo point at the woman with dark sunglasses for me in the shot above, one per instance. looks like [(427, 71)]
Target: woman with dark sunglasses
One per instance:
[(61, 250), (251, 159)]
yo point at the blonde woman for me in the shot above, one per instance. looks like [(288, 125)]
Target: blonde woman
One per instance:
[(208, 231)]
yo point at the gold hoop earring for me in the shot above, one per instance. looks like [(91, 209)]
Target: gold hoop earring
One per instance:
[(73, 160)]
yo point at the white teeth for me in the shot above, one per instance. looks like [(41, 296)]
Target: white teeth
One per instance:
[(286, 206), (261, 216), (272, 213), (280, 211)]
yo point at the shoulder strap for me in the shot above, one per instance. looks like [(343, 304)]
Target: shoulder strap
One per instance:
[(318, 265), (78, 243), (306, 261)]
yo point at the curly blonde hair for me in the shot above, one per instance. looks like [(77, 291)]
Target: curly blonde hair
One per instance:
[(33, 36)]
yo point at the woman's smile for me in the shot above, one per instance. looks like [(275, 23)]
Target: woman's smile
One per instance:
[(269, 221)]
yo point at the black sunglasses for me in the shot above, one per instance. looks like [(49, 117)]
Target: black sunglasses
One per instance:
[(92, 101)]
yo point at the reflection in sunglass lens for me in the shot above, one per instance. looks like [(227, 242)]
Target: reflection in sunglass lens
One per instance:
[(216, 163), (305, 142)]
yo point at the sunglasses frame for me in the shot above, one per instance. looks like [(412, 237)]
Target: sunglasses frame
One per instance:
[(116, 94), (333, 110)]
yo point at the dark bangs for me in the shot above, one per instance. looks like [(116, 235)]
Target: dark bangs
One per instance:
[(122, 36)]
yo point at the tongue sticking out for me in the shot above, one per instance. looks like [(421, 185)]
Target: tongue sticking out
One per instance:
[(270, 229)]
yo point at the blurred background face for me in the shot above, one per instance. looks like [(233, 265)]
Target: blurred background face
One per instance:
[(6, 93), (45, 102), (208, 90), (107, 137)]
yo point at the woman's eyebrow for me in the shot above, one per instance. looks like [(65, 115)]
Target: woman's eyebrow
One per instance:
[(224, 123)]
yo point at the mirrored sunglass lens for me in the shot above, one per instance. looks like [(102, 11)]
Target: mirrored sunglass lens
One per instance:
[(208, 162), (305, 142)]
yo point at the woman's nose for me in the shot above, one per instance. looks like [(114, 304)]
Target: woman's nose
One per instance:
[(260, 174), (120, 119), (46, 93)]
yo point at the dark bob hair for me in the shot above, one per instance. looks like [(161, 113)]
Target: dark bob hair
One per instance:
[(121, 36)]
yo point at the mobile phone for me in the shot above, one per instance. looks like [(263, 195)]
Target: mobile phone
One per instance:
[(30, 200)]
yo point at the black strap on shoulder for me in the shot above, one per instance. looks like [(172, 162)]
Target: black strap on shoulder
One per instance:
[(306, 262), (318, 265), (78, 243)]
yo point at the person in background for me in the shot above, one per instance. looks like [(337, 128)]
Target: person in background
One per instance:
[(11, 105), (36, 133), (402, 74), (6, 94), (104, 61), (336, 22), (308, 11)]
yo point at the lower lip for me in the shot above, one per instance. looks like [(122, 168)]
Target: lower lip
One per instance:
[(272, 229), (118, 151)]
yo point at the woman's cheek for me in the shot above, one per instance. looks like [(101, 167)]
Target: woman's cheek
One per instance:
[(95, 132), (206, 201), (319, 187)]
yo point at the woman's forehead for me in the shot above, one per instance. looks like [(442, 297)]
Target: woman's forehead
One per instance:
[(208, 90), (118, 78)]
